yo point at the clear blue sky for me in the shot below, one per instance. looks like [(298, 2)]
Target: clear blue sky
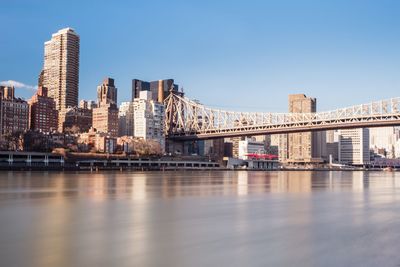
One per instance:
[(238, 55)]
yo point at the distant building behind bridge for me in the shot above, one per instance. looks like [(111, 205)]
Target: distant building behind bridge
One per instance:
[(159, 89), (305, 147)]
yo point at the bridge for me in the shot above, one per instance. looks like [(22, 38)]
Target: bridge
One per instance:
[(186, 119)]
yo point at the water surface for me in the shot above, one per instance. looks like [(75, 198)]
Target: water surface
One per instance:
[(210, 218)]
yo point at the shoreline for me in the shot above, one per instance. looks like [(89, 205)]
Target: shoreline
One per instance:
[(71, 168)]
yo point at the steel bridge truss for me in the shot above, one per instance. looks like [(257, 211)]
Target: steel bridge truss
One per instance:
[(187, 120)]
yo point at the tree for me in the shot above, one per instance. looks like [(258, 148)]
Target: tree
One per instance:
[(14, 140), (147, 148)]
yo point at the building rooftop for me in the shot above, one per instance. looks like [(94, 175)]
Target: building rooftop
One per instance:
[(65, 30)]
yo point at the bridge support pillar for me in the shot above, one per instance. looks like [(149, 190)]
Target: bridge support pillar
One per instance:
[(174, 147), (186, 148)]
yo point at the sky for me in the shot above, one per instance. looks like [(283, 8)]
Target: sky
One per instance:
[(235, 55)]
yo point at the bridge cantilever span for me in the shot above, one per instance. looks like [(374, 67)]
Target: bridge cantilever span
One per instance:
[(186, 119)]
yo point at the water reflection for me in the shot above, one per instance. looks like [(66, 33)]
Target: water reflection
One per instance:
[(139, 186), (242, 183), (199, 218)]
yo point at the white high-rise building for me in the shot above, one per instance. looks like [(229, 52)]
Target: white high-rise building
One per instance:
[(125, 119), (354, 146), (383, 139), (149, 118), (61, 69)]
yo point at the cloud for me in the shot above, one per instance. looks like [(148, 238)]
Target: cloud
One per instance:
[(18, 85)]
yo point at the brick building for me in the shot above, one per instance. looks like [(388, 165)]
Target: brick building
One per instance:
[(14, 112), (43, 113)]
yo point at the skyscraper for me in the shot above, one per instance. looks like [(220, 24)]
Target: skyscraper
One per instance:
[(105, 116), (61, 69), (304, 147)]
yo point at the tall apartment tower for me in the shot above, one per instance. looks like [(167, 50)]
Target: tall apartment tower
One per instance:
[(61, 69), (304, 147)]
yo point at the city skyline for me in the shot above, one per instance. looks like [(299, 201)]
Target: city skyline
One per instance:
[(220, 59), (199, 133)]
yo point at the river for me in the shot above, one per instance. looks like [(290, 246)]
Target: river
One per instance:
[(206, 218)]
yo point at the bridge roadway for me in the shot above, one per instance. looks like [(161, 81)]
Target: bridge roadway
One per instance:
[(254, 131), (189, 120)]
